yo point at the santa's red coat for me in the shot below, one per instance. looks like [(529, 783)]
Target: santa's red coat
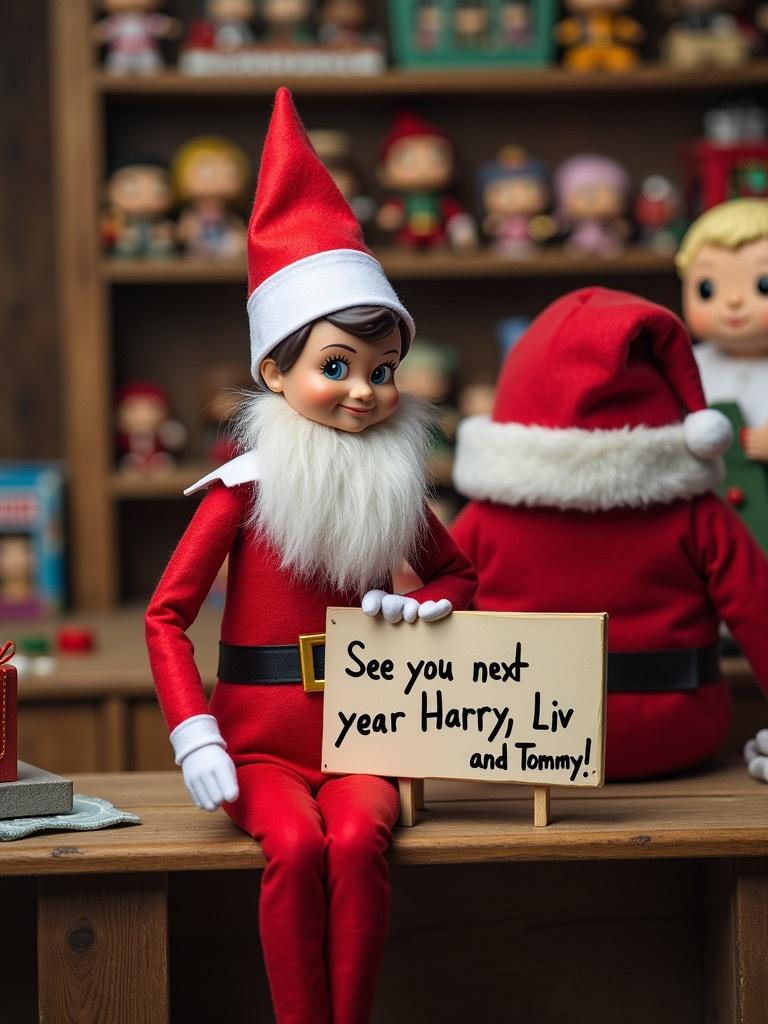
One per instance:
[(665, 574), (264, 605)]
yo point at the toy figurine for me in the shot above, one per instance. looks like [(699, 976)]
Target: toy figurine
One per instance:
[(723, 261), (658, 212), (326, 499), (130, 32), (227, 27), (225, 387), (134, 225), (471, 22), (428, 25), (516, 23), (599, 36), (430, 375), (287, 22), (343, 22), (211, 175), (592, 489), (591, 194), (147, 435), (707, 33), (417, 161), (514, 197), (335, 150)]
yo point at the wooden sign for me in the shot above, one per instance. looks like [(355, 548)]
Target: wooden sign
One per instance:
[(503, 697)]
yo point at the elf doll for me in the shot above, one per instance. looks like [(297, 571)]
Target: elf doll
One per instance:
[(324, 502), (592, 491)]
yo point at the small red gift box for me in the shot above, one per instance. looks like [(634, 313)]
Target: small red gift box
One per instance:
[(7, 715)]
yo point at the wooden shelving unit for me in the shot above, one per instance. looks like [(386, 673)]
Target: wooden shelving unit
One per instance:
[(119, 319), (404, 266), (650, 77)]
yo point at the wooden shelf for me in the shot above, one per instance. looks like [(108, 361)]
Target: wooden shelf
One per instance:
[(405, 265), (499, 81), (128, 486)]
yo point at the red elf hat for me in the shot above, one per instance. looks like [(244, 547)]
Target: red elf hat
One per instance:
[(599, 405), (408, 125), (306, 254)]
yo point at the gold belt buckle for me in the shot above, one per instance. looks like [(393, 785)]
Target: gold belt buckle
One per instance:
[(307, 643)]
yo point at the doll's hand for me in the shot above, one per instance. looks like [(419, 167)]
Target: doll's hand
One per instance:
[(755, 443), (395, 607), (208, 770), (756, 756), (210, 777)]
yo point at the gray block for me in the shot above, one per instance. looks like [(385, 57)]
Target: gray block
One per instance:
[(34, 794)]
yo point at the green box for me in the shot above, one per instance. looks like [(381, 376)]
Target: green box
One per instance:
[(425, 34)]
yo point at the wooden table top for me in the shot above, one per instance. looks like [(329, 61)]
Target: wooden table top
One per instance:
[(716, 812)]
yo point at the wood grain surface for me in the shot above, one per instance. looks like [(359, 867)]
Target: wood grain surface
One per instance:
[(715, 813)]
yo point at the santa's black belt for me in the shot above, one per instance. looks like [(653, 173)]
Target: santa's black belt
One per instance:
[(662, 671), (628, 671), (275, 664)]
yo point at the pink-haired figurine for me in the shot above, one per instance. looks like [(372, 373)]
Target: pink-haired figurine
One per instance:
[(591, 195)]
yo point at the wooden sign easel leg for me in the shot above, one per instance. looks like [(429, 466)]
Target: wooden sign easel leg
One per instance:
[(540, 805), (411, 800)]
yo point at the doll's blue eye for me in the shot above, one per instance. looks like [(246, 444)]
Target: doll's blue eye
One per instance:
[(335, 369), (706, 289), (762, 284), (382, 374)]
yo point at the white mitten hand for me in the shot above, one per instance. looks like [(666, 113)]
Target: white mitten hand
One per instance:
[(208, 770), (756, 756), (395, 607), (431, 611), (210, 777)]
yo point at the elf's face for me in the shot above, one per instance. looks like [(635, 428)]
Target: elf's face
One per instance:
[(339, 380), (725, 298)]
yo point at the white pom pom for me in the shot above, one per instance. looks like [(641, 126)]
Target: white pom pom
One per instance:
[(707, 433)]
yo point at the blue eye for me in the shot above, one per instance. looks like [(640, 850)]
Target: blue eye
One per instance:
[(762, 284), (382, 374), (335, 369), (706, 289)]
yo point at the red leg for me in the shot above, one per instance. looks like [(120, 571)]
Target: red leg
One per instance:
[(359, 812), (277, 808)]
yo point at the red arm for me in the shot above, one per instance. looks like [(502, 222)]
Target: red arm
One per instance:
[(736, 570), (183, 587), (446, 572)]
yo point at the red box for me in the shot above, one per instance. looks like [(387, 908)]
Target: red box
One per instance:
[(8, 683)]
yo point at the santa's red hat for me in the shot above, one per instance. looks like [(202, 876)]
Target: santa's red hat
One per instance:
[(408, 125), (599, 405), (306, 254)]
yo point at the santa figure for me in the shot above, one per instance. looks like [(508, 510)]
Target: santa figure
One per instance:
[(324, 502), (592, 491)]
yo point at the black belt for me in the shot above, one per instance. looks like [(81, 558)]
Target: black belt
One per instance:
[(662, 671), (628, 671), (266, 666)]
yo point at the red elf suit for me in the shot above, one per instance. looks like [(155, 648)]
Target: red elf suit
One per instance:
[(325, 889), (592, 491)]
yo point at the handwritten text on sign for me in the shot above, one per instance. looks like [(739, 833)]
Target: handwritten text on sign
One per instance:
[(503, 697)]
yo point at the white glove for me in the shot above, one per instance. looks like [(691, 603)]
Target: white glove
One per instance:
[(208, 770), (395, 607), (756, 756)]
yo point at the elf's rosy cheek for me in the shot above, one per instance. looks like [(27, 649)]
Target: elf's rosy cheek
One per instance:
[(391, 400)]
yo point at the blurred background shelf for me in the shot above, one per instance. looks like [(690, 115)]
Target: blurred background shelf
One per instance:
[(404, 265), (647, 78)]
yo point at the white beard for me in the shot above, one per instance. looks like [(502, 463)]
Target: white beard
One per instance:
[(339, 507)]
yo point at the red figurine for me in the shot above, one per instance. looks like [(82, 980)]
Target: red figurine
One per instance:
[(146, 433), (417, 161), (326, 499), (592, 492)]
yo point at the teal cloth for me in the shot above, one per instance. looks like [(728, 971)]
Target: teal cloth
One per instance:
[(88, 813)]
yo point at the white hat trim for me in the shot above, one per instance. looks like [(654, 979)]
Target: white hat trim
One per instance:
[(589, 470), (312, 288)]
